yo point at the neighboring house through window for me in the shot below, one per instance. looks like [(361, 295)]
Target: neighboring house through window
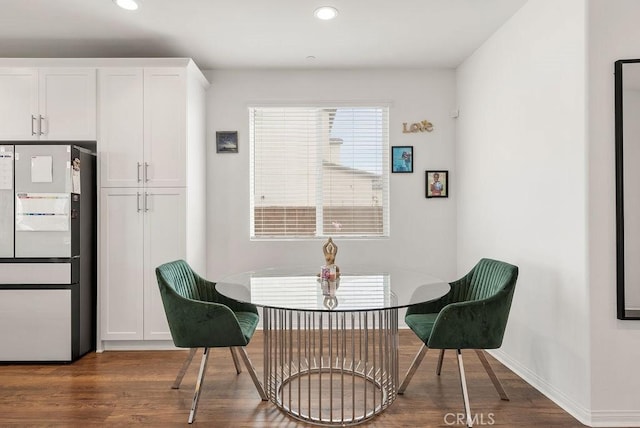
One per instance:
[(319, 171)]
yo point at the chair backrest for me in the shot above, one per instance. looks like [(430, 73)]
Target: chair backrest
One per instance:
[(476, 310), (486, 279), (179, 276)]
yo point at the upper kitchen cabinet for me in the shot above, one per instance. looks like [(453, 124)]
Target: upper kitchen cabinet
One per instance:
[(57, 104), (121, 115), (19, 104), (145, 133)]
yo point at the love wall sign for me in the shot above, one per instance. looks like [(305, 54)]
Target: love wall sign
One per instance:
[(422, 126)]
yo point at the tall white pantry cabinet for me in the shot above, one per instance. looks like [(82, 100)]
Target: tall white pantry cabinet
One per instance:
[(151, 144)]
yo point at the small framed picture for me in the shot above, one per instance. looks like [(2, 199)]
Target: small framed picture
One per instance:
[(402, 159), (227, 142), (437, 184)]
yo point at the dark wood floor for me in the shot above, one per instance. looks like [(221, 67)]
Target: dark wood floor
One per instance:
[(134, 388)]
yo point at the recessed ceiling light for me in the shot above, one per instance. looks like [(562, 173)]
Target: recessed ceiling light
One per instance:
[(326, 12), (127, 4)]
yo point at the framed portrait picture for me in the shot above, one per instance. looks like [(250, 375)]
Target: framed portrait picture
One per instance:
[(402, 159), (227, 142), (437, 184)]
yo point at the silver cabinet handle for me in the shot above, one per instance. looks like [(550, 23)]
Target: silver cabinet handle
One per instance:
[(33, 128), (146, 202), (146, 172), (42, 119), (139, 165), (138, 201)]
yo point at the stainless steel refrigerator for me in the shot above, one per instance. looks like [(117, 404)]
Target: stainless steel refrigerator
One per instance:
[(47, 252)]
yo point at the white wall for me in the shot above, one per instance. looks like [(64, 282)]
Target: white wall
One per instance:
[(521, 162), (422, 230), (615, 345)]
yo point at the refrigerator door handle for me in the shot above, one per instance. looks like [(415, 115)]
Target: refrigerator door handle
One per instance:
[(138, 176), (33, 128), (146, 202), (138, 201)]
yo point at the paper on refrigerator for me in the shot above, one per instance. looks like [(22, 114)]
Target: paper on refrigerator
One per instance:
[(6, 170), (41, 169), (42, 212)]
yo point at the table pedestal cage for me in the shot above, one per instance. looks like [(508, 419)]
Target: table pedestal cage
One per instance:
[(331, 367)]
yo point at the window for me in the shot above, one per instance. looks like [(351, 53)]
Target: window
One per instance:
[(319, 171)]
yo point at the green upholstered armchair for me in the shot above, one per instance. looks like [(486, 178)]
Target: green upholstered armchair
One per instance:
[(200, 317), (473, 315)]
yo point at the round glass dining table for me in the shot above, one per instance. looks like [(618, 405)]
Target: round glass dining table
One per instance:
[(331, 346)]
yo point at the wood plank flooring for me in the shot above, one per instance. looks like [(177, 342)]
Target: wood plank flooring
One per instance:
[(134, 388)]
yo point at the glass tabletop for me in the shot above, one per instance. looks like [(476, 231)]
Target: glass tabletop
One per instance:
[(356, 289)]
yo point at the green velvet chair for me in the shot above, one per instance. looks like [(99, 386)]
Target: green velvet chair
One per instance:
[(200, 317), (472, 315)]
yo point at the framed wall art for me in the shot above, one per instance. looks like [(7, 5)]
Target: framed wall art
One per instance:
[(402, 159), (437, 184), (227, 142)]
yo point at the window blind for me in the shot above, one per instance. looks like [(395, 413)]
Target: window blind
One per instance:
[(319, 171)]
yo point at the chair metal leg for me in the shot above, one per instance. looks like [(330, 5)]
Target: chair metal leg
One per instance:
[(183, 369), (235, 360), (252, 373), (465, 394), (440, 359), (196, 394), (412, 369), (492, 375)]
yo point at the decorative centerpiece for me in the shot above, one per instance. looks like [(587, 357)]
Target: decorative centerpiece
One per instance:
[(329, 274), (330, 250)]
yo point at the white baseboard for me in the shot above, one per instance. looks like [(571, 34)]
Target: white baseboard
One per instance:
[(137, 345), (570, 406), (596, 418), (604, 418)]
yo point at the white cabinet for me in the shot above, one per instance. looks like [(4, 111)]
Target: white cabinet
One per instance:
[(121, 115), (151, 144), (143, 119), (165, 126), (121, 241), (48, 104), (18, 104), (139, 231), (164, 240)]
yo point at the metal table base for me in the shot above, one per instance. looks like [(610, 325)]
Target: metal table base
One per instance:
[(330, 367)]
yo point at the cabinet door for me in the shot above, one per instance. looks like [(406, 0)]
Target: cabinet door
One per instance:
[(121, 127), (165, 241), (67, 100), (121, 270), (165, 127), (18, 104)]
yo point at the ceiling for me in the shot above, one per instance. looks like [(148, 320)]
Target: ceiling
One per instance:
[(256, 33)]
